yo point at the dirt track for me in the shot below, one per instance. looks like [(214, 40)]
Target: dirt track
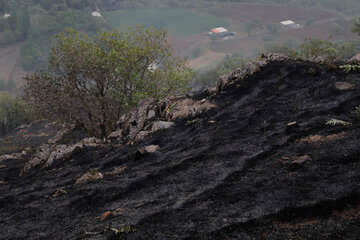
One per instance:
[(224, 179)]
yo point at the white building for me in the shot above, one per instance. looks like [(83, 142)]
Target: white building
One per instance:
[(290, 24), (218, 30), (96, 14)]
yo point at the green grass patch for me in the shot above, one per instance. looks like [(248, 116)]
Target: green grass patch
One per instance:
[(177, 22)]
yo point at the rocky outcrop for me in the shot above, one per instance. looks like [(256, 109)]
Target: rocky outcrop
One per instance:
[(152, 115), (13, 156), (47, 154)]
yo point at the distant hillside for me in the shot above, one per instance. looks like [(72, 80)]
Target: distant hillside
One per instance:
[(25, 27)]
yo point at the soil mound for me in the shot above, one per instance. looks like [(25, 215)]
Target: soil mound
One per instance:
[(277, 157)]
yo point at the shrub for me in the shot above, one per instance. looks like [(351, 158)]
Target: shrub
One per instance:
[(268, 38), (13, 112), (93, 81), (273, 27), (325, 49), (356, 25), (310, 21), (356, 113)]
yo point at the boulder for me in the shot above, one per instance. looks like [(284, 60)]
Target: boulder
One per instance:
[(62, 152), (115, 135), (151, 114), (161, 125), (133, 122), (343, 86), (41, 156), (302, 159), (188, 107), (148, 149), (141, 135)]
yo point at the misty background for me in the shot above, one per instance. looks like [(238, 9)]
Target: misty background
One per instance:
[(252, 27)]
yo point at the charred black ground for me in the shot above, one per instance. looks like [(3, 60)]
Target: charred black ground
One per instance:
[(226, 175)]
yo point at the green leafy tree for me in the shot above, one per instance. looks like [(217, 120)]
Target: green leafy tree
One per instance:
[(10, 86), (13, 112), (93, 81), (2, 85), (250, 26), (356, 25), (273, 27), (8, 37), (310, 21), (325, 49), (30, 53)]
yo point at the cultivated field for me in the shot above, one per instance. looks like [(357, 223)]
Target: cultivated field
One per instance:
[(187, 31), (178, 22)]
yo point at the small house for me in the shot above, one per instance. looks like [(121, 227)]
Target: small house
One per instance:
[(96, 14), (290, 24), (221, 33)]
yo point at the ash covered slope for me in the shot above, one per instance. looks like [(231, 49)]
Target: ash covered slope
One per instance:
[(236, 172)]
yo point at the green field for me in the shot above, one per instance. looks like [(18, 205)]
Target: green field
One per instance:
[(177, 22)]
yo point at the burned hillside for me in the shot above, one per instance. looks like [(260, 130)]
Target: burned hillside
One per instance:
[(273, 155)]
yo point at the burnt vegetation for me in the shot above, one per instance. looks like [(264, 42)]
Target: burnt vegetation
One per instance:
[(262, 164), (264, 149)]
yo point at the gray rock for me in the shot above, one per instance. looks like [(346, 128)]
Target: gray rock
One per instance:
[(343, 86), (133, 122), (141, 135), (41, 156), (12, 156), (147, 150), (115, 135), (302, 159), (47, 154), (160, 125), (151, 114)]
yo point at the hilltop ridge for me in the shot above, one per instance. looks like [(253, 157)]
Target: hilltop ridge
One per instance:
[(274, 155)]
